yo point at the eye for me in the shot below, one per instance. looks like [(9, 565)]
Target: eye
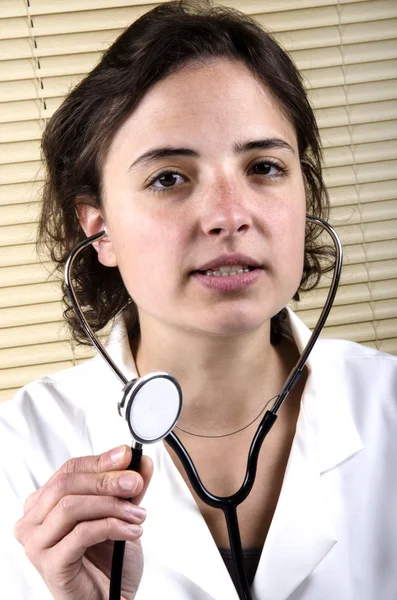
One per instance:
[(269, 169), (164, 181)]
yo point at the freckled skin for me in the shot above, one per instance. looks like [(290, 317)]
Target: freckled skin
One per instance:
[(214, 207)]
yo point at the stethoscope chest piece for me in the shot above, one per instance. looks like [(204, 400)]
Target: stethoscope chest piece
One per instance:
[(151, 406)]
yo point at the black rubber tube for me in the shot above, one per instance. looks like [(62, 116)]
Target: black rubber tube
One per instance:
[(119, 546)]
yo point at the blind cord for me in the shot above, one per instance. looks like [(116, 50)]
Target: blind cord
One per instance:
[(356, 183)]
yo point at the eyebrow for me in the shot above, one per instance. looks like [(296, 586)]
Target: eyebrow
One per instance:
[(239, 148)]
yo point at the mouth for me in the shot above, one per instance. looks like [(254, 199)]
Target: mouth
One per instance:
[(226, 270), (228, 265), (229, 273)]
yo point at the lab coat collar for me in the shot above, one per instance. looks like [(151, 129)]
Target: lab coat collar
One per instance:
[(302, 531)]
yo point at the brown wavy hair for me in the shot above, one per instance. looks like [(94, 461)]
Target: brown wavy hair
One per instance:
[(78, 136)]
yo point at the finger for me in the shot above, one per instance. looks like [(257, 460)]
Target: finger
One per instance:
[(123, 484), (89, 533), (117, 458), (72, 510)]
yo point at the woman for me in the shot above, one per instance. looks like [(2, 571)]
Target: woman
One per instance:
[(193, 143)]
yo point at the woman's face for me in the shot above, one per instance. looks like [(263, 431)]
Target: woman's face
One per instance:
[(205, 169)]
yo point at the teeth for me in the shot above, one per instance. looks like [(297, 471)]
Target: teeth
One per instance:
[(227, 270)]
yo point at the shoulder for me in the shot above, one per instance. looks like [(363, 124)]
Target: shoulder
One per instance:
[(358, 364), (47, 398), (43, 426), (366, 379)]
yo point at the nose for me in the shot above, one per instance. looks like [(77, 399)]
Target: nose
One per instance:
[(225, 213)]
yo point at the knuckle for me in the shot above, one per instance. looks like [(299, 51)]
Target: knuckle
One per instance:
[(116, 505), (104, 484), (27, 505), (61, 481), (70, 466), (18, 529), (80, 532), (67, 504), (110, 525)]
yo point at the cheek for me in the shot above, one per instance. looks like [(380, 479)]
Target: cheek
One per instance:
[(149, 250), (289, 234)]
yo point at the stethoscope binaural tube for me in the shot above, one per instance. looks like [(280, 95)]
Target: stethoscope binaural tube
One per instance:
[(132, 389)]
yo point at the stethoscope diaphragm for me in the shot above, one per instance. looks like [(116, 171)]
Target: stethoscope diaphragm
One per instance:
[(151, 406)]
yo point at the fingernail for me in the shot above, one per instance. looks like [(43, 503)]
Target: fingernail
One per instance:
[(135, 530), (138, 512), (128, 481), (116, 454)]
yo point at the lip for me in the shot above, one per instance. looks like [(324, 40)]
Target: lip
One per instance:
[(229, 260), (228, 283)]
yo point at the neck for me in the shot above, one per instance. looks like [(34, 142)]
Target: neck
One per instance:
[(225, 380)]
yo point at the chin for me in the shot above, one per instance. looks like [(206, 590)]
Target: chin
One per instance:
[(232, 326)]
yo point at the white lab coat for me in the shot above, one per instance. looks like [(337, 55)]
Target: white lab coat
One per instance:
[(334, 531)]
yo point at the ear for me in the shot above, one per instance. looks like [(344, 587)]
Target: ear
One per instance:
[(91, 221)]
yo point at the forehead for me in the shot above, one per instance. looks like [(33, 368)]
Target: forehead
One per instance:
[(216, 102)]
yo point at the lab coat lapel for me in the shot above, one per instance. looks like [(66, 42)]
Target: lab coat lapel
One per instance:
[(302, 531), (176, 535)]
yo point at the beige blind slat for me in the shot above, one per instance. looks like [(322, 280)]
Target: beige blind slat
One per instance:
[(15, 132), (19, 173), (324, 37), (331, 56), (31, 314), (373, 251), (42, 353), (368, 232), (18, 255), (385, 329), (366, 213), (362, 153), (352, 94), (33, 334), (27, 151), (363, 193), (52, 66), (21, 295), (350, 74), (360, 273), (19, 193), (373, 112), (359, 134), (358, 313), (353, 294), (19, 213), (25, 274), (377, 171), (17, 234)]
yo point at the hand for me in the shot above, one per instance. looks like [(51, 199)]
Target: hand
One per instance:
[(70, 523)]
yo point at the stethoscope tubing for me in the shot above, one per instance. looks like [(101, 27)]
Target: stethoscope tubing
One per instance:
[(228, 504), (116, 576)]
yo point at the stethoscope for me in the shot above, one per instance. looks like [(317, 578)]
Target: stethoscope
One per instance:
[(152, 404)]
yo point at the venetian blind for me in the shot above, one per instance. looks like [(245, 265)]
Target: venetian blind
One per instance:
[(347, 53)]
